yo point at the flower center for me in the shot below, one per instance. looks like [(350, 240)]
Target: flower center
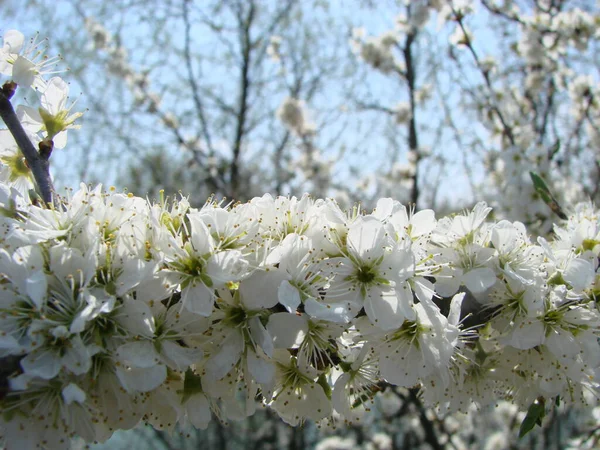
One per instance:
[(365, 274)]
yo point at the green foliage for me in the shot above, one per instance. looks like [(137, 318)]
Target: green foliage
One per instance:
[(542, 189), (535, 414)]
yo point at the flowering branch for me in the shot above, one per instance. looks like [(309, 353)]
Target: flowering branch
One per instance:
[(37, 161)]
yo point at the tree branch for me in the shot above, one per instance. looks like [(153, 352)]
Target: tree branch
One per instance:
[(192, 79), (245, 23), (37, 162), (413, 143)]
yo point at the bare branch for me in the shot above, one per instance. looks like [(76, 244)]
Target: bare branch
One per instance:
[(192, 79)]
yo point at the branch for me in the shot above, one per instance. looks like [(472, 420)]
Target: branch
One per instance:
[(244, 23), (37, 161), (413, 142), (428, 427), (192, 79), (486, 76)]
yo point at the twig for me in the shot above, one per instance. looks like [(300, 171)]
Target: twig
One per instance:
[(37, 161), (486, 76)]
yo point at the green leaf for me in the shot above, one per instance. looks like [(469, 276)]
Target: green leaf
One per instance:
[(544, 192), (191, 385), (554, 150), (322, 381), (539, 184), (535, 414)]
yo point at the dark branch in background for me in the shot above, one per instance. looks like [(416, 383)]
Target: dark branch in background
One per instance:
[(428, 426), (253, 52), (37, 161), (244, 24), (486, 76), (192, 79), (413, 143)]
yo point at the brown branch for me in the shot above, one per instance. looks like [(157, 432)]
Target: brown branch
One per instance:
[(37, 162), (430, 432), (245, 23), (192, 79), (413, 142), (486, 76)]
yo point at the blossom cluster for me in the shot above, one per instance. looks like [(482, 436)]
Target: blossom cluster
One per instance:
[(115, 309)]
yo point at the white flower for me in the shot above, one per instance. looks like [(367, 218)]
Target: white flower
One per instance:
[(373, 273), (517, 258), (294, 116), (53, 116), (199, 268), (14, 171), (312, 337), (420, 347), (354, 389), (240, 334), (297, 395), (25, 64)]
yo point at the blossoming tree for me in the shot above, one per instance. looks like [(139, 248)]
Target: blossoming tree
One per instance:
[(116, 309)]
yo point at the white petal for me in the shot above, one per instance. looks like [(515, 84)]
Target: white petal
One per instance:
[(563, 345), (136, 317), (260, 336), (383, 309), (178, 357), (259, 291), (339, 312), (504, 236), (447, 286), (398, 265), (8, 345), (424, 289), (60, 140), (36, 286), (198, 299), (201, 238), (366, 238), (30, 118), (198, 411), (317, 404), (77, 358), (527, 334), (226, 266), (140, 354), (72, 393), (262, 370), (579, 273), (54, 97), (401, 372), (226, 357), (480, 279), (13, 41), (142, 380), (41, 363), (423, 222), (385, 208), (455, 307), (287, 330), (405, 301), (288, 296), (23, 72)]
